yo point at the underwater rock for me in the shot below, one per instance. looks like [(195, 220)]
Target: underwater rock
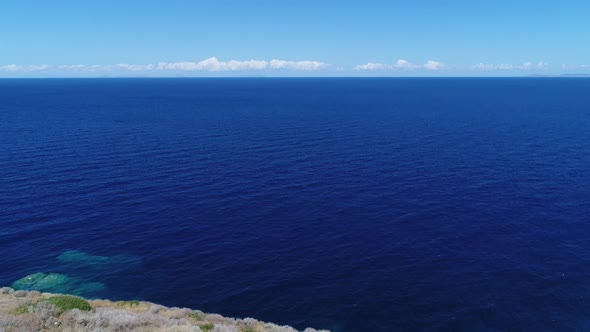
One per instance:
[(76, 256), (42, 282), (89, 287), (59, 283), (83, 259)]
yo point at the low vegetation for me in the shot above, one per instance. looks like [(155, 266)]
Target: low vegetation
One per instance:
[(196, 316), (68, 302), (206, 327), (23, 309), (132, 303)]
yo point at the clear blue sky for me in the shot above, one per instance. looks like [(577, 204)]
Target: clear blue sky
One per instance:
[(307, 37)]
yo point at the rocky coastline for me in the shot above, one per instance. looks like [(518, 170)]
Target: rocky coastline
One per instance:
[(22, 310)]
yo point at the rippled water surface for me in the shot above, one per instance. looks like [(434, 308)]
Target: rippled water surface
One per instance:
[(349, 204)]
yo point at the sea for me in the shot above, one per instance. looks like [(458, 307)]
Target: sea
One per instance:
[(349, 204)]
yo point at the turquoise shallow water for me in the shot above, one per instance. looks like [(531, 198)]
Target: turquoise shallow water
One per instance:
[(350, 204)]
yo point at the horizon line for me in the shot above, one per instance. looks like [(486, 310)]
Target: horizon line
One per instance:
[(290, 77)]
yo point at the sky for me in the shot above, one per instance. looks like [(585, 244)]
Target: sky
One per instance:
[(204, 38)]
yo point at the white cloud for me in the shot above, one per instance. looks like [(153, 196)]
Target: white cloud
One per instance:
[(296, 65), (372, 66), (38, 67), (12, 67), (16, 68), (504, 66), (213, 64), (404, 64), (542, 64), (126, 66), (401, 64), (72, 67), (433, 65), (108, 68), (487, 66)]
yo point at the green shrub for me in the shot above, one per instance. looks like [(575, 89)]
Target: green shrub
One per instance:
[(68, 302), (131, 303), (206, 327), (23, 309), (247, 329), (196, 316)]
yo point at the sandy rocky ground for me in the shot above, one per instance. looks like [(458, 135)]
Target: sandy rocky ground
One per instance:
[(28, 311)]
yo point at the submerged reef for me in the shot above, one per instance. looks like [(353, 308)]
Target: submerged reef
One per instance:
[(36, 311), (59, 283), (76, 261), (76, 256), (83, 259)]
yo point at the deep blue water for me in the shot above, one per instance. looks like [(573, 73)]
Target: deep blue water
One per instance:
[(349, 204)]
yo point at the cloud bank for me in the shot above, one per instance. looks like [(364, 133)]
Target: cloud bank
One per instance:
[(17, 68), (504, 66), (209, 65), (277, 67), (213, 64), (401, 64)]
